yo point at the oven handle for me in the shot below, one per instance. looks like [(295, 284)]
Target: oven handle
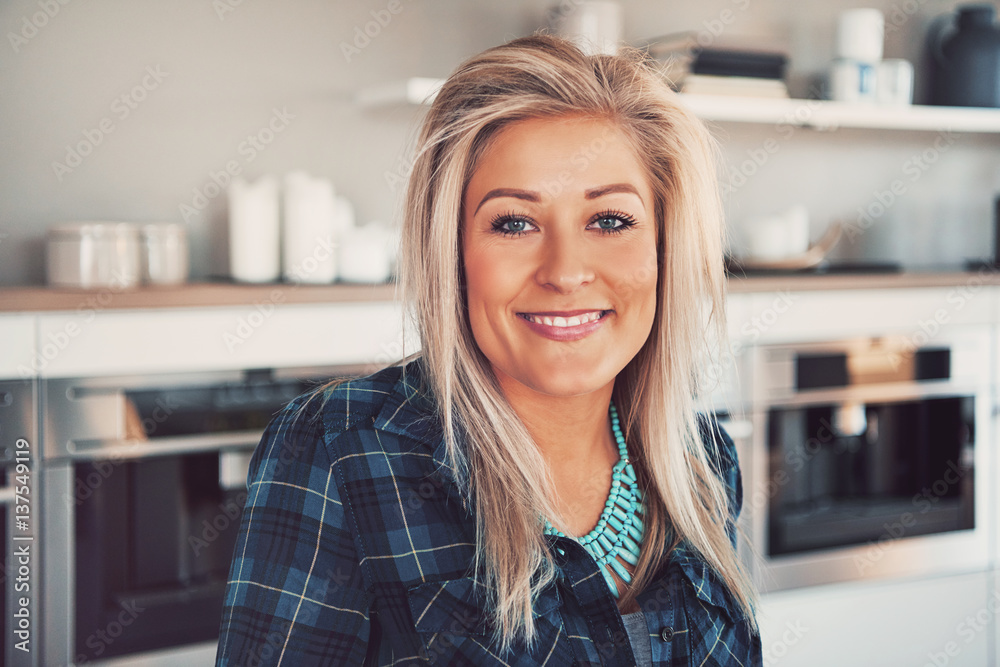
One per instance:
[(902, 391), (104, 448)]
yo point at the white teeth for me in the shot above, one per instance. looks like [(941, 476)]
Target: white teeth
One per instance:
[(563, 322)]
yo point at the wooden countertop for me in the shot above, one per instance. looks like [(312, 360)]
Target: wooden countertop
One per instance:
[(191, 295), (194, 295)]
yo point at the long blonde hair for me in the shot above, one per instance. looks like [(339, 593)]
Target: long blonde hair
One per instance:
[(488, 446)]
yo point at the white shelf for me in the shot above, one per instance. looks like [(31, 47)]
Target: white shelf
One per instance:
[(817, 114), (825, 115)]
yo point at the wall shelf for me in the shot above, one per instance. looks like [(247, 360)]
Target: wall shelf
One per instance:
[(825, 115), (816, 114)]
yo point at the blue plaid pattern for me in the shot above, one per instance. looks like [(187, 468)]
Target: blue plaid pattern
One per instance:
[(356, 547)]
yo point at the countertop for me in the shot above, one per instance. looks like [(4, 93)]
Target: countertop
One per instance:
[(193, 295)]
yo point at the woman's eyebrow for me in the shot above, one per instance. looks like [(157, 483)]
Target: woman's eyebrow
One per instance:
[(526, 195), (602, 190)]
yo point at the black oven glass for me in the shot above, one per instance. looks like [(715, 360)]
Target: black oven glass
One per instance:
[(154, 539), (854, 474), (155, 535)]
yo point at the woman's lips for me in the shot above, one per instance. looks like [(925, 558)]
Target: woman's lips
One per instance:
[(565, 325)]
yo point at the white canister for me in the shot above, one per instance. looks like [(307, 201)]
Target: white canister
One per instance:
[(593, 25), (164, 253), (309, 230), (860, 35), (367, 254), (254, 231), (89, 255), (894, 84), (853, 81)]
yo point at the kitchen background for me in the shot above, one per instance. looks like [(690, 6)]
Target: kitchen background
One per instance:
[(170, 95), (214, 73)]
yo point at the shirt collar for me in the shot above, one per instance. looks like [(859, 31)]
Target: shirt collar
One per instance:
[(410, 411)]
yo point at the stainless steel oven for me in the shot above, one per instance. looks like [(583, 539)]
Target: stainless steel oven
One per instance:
[(870, 457), (144, 486)]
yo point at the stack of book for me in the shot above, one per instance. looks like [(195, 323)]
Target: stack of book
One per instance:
[(693, 68)]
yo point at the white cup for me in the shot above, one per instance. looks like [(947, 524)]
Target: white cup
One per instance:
[(853, 81), (894, 82)]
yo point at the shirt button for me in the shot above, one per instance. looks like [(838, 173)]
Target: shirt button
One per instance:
[(666, 634)]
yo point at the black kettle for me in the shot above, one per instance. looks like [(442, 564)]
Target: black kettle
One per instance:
[(965, 59)]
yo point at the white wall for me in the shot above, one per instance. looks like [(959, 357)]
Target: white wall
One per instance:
[(227, 71)]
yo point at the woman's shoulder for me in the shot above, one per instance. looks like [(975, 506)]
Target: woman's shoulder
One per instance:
[(308, 426)]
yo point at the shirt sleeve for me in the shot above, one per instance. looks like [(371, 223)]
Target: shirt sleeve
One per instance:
[(727, 466), (295, 594)]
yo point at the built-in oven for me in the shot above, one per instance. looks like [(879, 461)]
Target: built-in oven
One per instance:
[(20, 614), (870, 457), (144, 487)]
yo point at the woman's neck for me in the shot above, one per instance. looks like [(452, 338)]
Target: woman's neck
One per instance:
[(572, 432)]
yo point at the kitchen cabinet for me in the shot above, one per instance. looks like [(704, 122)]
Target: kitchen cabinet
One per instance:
[(17, 345), (881, 624)]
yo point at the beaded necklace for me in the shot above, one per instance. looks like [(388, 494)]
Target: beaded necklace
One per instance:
[(619, 531)]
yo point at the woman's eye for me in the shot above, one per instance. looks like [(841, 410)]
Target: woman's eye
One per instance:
[(612, 222), (511, 226)]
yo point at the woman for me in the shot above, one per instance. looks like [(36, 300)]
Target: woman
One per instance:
[(562, 234)]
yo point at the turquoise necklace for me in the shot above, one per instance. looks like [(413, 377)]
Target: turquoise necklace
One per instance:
[(619, 531)]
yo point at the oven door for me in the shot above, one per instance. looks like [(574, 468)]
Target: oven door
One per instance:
[(144, 490), (870, 459)]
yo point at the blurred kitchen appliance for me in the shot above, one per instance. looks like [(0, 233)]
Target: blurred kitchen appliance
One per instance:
[(88, 255), (964, 57), (144, 486), (19, 445), (868, 456)]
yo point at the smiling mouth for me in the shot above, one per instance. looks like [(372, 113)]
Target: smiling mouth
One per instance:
[(565, 320)]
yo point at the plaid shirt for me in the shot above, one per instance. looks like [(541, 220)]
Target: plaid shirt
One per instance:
[(355, 548)]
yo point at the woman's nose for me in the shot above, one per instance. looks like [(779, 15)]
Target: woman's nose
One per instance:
[(564, 265)]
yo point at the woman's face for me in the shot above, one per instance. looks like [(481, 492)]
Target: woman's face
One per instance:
[(559, 243)]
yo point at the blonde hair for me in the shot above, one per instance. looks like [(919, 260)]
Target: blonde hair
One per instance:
[(489, 448)]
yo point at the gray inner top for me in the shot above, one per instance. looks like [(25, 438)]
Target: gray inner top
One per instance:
[(638, 635)]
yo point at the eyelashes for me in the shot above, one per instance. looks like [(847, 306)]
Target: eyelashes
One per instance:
[(513, 224)]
